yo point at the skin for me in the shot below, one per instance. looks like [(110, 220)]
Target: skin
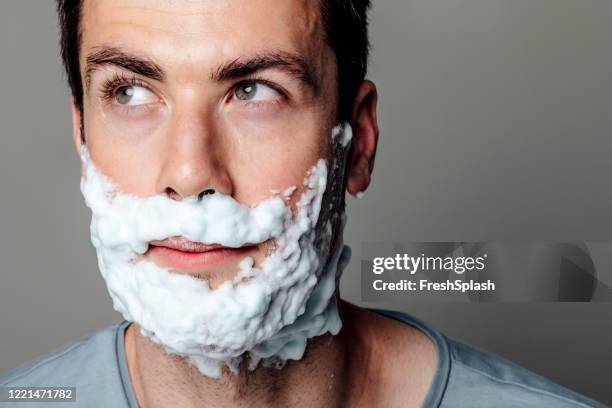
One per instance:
[(190, 130)]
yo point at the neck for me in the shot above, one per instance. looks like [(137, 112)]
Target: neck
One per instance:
[(320, 379)]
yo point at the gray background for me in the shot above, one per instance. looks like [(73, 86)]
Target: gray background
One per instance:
[(495, 125)]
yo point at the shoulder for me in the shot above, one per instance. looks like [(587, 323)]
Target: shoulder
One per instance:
[(66, 363), (89, 363), (467, 376), (478, 379)]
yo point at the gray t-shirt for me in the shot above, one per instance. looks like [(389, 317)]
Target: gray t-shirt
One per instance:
[(465, 376)]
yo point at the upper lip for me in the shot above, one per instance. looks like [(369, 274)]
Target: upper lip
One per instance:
[(182, 244)]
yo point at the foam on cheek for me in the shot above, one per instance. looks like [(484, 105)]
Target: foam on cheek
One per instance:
[(286, 300)]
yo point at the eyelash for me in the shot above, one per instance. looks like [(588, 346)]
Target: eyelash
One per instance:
[(261, 81), (283, 95), (110, 87)]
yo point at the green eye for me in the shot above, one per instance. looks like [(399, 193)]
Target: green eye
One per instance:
[(134, 95), (124, 95), (246, 92), (255, 91)]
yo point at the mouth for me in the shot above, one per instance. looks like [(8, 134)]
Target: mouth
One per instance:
[(182, 255)]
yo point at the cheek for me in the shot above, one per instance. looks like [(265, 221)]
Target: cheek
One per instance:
[(129, 165), (125, 125), (265, 159)]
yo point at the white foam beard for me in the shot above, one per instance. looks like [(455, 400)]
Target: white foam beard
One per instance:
[(266, 313)]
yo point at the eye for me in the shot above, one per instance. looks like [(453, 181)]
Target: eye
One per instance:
[(134, 95), (255, 91)]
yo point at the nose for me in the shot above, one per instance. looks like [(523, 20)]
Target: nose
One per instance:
[(193, 158)]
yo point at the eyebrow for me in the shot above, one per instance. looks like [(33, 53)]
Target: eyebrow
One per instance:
[(114, 56), (292, 64), (240, 67)]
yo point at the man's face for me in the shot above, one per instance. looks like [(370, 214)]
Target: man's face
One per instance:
[(186, 96)]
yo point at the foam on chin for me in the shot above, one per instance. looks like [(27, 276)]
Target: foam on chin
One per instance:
[(282, 303)]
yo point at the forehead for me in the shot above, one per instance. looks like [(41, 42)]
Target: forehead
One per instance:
[(202, 31)]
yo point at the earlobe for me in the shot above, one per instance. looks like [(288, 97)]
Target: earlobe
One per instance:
[(365, 139), (359, 177)]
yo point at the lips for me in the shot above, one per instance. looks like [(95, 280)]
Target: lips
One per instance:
[(181, 244), (182, 255)]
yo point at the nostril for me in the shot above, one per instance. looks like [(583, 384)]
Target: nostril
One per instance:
[(206, 192), (170, 192)]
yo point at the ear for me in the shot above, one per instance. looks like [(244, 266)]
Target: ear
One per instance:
[(77, 137), (365, 139)]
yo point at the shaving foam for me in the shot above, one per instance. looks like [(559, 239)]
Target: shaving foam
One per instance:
[(267, 317)]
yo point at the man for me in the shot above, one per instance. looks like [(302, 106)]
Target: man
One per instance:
[(217, 139)]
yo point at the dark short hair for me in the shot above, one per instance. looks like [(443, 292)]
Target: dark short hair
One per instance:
[(346, 29)]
